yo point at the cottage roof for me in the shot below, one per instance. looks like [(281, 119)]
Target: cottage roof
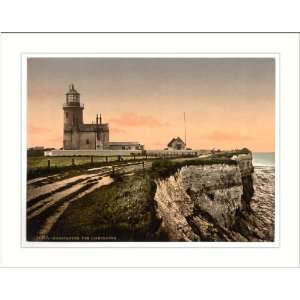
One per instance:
[(178, 140)]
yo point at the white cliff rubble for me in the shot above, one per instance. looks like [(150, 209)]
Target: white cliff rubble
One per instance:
[(217, 203)]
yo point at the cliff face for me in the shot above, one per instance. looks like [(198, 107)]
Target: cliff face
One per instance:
[(206, 202)]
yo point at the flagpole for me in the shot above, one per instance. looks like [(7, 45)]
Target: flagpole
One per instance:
[(184, 129)]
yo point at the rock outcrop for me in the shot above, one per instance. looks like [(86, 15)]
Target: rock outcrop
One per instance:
[(209, 202)]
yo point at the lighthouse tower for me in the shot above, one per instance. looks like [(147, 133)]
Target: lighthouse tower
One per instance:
[(77, 134), (73, 111)]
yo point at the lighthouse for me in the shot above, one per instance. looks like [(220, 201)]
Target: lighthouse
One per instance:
[(77, 134), (73, 110)]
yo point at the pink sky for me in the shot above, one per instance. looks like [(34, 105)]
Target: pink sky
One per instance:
[(229, 103)]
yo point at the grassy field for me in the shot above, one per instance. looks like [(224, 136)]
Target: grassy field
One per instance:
[(36, 162), (165, 168), (38, 165), (122, 211)]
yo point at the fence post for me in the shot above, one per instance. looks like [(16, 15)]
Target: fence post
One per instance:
[(92, 159), (113, 170), (106, 158), (73, 162), (119, 157), (49, 164), (146, 156), (144, 168), (133, 156)]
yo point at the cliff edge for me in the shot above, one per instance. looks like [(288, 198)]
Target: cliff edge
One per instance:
[(209, 201)]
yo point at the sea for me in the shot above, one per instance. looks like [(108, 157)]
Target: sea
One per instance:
[(263, 200), (263, 159)]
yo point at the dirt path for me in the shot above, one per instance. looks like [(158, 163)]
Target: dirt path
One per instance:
[(46, 202), (52, 219), (34, 192)]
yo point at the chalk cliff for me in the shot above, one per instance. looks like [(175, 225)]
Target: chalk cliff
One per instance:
[(208, 202)]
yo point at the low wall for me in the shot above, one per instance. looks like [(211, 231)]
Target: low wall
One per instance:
[(91, 152), (120, 152)]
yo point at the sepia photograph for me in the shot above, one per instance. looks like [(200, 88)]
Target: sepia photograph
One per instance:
[(150, 149)]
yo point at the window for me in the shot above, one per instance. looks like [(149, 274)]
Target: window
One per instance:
[(67, 115), (87, 141), (72, 98)]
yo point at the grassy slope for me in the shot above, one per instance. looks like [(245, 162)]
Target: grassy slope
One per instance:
[(166, 168), (123, 211)]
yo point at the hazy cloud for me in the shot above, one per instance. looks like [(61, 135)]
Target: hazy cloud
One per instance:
[(57, 140), (116, 130), (158, 144), (226, 136), (138, 120), (38, 130)]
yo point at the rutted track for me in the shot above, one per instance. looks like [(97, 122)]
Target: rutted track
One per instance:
[(52, 219), (46, 202), (47, 189)]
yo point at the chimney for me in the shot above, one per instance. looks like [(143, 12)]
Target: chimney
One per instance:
[(97, 119)]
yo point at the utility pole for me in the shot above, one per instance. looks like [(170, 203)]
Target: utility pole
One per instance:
[(184, 129)]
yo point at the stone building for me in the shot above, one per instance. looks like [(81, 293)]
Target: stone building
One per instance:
[(125, 146), (78, 135), (176, 144), (81, 136)]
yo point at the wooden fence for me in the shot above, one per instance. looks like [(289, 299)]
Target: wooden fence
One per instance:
[(119, 158)]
